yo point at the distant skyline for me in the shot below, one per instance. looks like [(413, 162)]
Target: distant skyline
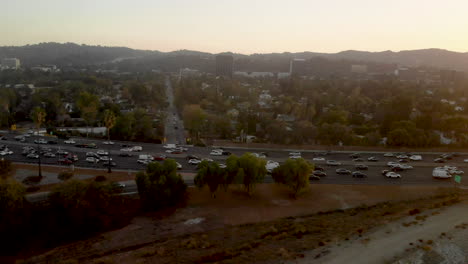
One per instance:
[(254, 26)]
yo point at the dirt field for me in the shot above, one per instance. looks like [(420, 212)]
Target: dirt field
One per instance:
[(235, 228)]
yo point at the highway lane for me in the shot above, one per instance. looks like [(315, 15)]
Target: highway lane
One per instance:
[(174, 126), (421, 174)]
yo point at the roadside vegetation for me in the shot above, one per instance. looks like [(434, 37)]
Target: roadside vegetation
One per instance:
[(294, 173)]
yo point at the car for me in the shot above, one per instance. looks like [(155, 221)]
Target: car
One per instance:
[(3, 138), (143, 161), (319, 159), (194, 161), (319, 173), (40, 141), (207, 159), (69, 141), (358, 159), (61, 152), (355, 155), (439, 160), (49, 155), (189, 157), (319, 168), (6, 152), (403, 161), (125, 154), (314, 178), (406, 167), (271, 165), (343, 171), (333, 163), (105, 158), (388, 155), (446, 156), (92, 154), (402, 156), (179, 166), (32, 156), (65, 161), (222, 166), (415, 157), (102, 153), (91, 145), (80, 145), (137, 148), (169, 146), (397, 168), (109, 164), (160, 157), (294, 153), (216, 153), (175, 151), (358, 174), (384, 172), (393, 175), (361, 167), (126, 150), (227, 153), (465, 160), (71, 157), (372, 159), (456, 172), (392, 164), (92, 160), (295, 157), (18, 138), (108, 143), (117, 187)]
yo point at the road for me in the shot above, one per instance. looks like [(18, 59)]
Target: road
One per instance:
[(174, 126), (421, 174)]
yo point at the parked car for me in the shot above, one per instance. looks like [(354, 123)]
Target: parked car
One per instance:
[(393, 175), (361, 167), (319, 173), (342, 171), (92, 160), (314, 178), (358, 174), (194, 161), (333, 163)]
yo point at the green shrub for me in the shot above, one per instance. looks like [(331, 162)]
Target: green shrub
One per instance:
[(5, 167), (65, 175)]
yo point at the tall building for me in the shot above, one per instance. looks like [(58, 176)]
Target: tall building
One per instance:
[(11, 63), (224, 64), (297, 67)]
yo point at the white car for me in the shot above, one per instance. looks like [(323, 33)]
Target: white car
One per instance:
[(105, 158), (206, 159), (295, 157), (179, 166), (216, 153), (318, 159), (392, 174), (393, 164), (194, 162), (415, 157), (262, 156), (169, 146), (402, 156), (108, 143), (271, 165), (441, 173), (388, 155), (465, 160), (222, 166), (143, 161), (333, 163), (102, 152), (137, 148), (295, 153), (70, 141), (406, 167), (92, 160), (126, 149)]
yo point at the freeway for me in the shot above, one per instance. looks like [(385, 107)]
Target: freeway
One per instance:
[(174, 127), (421, 174)]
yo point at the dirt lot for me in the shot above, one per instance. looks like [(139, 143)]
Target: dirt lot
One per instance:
[(235, 228)]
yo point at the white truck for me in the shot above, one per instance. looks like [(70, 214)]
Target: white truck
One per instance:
[(145, 157), (441, 173)]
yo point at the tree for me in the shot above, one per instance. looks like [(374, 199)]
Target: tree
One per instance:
[(160, 185), (109, 120), (38, 115), (248, 170), (194, 118), (88, 105), (209, 173), (294, 174)]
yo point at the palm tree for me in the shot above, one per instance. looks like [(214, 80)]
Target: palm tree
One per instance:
[(38, 115), (109, 121)]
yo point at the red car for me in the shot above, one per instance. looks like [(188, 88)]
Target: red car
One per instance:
[(160, 157), (65, 161)]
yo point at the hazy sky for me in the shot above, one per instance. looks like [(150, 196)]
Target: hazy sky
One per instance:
[(246, 26)]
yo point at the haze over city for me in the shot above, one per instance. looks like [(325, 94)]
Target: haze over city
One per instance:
[(243, 26)]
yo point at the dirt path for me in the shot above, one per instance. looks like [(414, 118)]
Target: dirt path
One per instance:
[(385, 244)]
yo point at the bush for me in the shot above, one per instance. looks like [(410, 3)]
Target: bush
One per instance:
[(100, 178), (65, 175), (5, 167), (160, 185), (31, 180)]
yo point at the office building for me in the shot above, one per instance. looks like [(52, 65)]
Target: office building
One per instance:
[(11, 63), (224, 65), (297, 67)]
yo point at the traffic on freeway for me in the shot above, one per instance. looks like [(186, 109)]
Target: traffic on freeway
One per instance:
[(335, 167)]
